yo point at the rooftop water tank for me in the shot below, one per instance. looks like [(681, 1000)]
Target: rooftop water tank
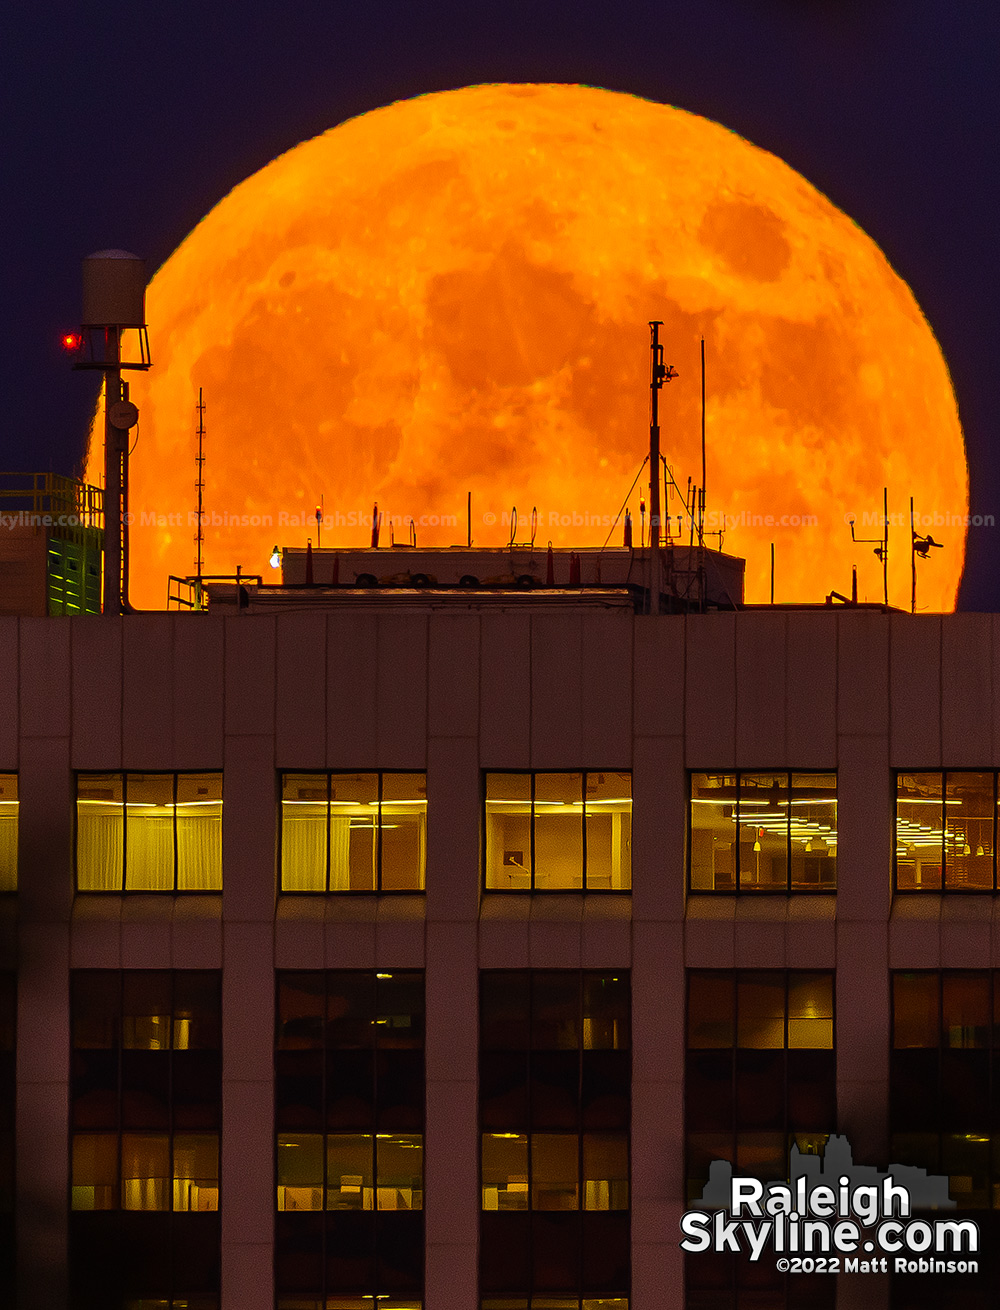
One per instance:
[(114, 290)]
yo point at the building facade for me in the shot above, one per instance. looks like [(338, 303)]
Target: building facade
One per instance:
[(321, 1004)]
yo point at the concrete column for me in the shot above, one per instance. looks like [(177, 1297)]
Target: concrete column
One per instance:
[(45, 901), (247, 1194), (451, 1183)]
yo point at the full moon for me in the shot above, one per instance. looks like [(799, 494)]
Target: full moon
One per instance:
[(451, 295)]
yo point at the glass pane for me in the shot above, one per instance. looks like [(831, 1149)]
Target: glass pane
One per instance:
[(967, 1009), (147, 1007), (399, 1018), (199, 832), (762, 1155), (810, 1011), (505, 1010), (606, 1011), (555, 1171), (505, 1171), (300, 1171), (145, 1171), (763, 828), (605, 1171), (353, 830), (508, 831), (404, 831), (968, 813), (400, 1171), (96, 1008), (100, 832), (350, 1009), (149, 832), (8, 832), (916, 1016), (303, 832), (196, 1171), (713, 832), (301, 1009), (711, 1002), (558, 828), (609, 831), (919, 832), (760, 1010), (555, 1010), (349, 1164), (95, 1171), (814, 831), (197, 1004)]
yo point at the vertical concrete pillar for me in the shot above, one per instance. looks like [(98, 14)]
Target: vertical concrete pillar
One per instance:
[(658, 833), (451, 1197), (249, 812), (45, 899)]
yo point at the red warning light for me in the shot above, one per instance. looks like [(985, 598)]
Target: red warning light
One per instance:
[(72, 341)]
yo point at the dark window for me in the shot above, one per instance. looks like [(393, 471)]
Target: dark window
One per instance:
[(763, 832), (8, 1087), (349, 1111), (555, 1094), (946, 832), (558, 831), (353, 832), (145, 1106), (760, 1078), (149, 832)]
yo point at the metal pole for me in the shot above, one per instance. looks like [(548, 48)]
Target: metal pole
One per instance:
[(114, 453), (913, 564)]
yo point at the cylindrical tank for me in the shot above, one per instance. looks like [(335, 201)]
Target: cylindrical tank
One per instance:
[(114, 290)]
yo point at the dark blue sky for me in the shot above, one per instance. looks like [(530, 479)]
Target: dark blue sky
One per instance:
[(124, 123)]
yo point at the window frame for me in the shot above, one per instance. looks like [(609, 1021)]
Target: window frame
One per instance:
[(531, 889), (324, 1132), (530, 1130), (124, 889), (943, 889), (330, 774), (738, 890)]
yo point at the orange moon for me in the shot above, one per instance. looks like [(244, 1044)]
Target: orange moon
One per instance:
[(451, 294)]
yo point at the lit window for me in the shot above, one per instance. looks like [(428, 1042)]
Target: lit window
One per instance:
[(559, 831), (946, 831), (353, 832), (763, 832), (8, 832), (149, 832)]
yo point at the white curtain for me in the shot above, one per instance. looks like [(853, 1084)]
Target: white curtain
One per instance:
[(303, 852), (199, 853), (99, 852), (340, 854), (149, 852), (8, 852)]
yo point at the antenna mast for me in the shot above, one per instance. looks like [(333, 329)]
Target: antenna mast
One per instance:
[(200, 486), (659, 373)]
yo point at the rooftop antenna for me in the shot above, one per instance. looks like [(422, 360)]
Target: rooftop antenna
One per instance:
[(772, 572), (468, 520), (921, 546), (659, 373), (881, 544), (199, 539)]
